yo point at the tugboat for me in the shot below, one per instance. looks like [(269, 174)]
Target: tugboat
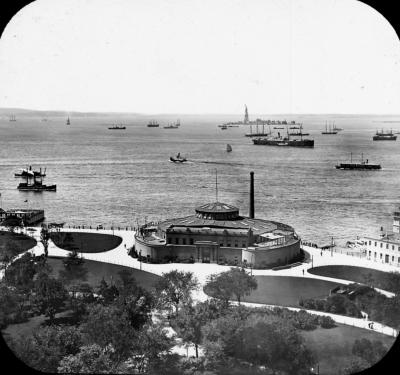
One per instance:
[(299, 132), (381, 136), (37, 185), (28, 172), (228, 148), (153, 124), (117, 127), (68, 121), (178, 158), (364, 165)]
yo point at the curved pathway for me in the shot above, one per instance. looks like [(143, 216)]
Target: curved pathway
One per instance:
[(202, 271)]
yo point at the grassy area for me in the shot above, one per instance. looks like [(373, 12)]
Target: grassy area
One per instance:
[(332, 347), (287, 290), (98, 270), (86, 242), (353, 273), (12, 244)]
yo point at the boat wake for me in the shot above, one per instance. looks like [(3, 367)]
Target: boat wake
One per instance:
[(216, 162)]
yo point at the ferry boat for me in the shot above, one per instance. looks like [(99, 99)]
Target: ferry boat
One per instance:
[(284, 141), (117, 127), (28, 172), (228, 148), (153, 124), (178, 158), (384, 136), (363, 165), (298, 133), (37, 185)]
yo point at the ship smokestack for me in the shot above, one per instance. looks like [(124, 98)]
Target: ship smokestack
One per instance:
[(251, 206)]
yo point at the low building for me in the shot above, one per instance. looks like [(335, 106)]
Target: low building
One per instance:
[(217, 233), (386, 247), (28, 216)]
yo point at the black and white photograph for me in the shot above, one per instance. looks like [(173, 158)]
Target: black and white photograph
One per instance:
[(199, 187)]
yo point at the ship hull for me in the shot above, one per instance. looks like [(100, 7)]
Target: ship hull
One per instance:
[(306, 143), (25, 187), (175, 160), (352, 166), (380, 138)]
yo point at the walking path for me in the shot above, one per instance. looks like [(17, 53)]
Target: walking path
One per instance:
[(202, 271)]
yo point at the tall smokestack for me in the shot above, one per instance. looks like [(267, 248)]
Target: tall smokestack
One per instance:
[(251, 206)]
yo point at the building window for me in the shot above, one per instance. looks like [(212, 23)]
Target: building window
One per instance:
[(228, 245), (369, 254), (169, 240), (191, 241), (381, 256), (387, 246), (177, 240), (370, 243), (392, 258), (375, 244), (243, 245), (221, 245), (236, 245), (381, 244), (184, 241), (392, 247), (375, 254)]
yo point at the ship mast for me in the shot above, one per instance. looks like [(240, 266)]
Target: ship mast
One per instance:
[(246, 115)]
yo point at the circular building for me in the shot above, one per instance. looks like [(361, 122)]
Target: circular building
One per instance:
[(217, 233)]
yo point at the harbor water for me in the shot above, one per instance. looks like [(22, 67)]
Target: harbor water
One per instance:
[(124, 177)]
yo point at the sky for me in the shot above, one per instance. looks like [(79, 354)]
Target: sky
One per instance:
[(201, 56)]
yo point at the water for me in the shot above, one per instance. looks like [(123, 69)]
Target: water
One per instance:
[(122, 177)]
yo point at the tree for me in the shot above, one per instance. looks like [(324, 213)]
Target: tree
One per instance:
[(108, 325), (174, 288), (74, 268), (134, 300), (191, 319), (235, 282), (44, 239), (107, 293), (258, 339), (356, 365), (92, 359), (49, 295), (44, 349)]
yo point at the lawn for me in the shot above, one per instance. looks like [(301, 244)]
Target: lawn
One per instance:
[(332, 347), (12, 244), (98, 270), (287, 290), (353, 273), (85, 242)]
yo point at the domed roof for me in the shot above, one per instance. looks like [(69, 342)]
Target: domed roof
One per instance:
[(217, 211), (216, 207)]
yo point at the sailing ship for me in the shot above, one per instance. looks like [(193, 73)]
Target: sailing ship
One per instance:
[(117, 127), (228, 148), (24, 172), (335, 128), (68, 121), (36, 185), (363, 165), (384, 136), (178, 158), (329, 130), (153, 124), (173, 126), (13, 118), (258, 133)]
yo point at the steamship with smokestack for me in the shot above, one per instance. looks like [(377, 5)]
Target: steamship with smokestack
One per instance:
[(217, 233)]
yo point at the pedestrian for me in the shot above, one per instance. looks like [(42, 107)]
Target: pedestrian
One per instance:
[(321, 252)]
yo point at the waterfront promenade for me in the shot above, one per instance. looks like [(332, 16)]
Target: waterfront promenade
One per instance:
[(202, 271)]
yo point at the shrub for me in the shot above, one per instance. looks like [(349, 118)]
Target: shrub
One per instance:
[(326, 321)]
